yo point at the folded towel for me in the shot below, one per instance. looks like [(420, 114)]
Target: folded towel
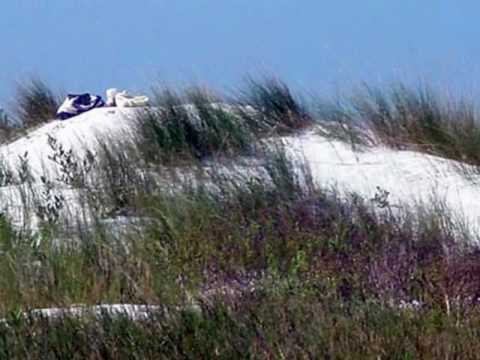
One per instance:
[(77, 104)]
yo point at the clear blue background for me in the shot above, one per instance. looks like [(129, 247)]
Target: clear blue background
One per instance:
[(89, 45)]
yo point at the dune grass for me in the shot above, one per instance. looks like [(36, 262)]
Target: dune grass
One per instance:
[(402, 116), (276, 108), (35, 103), (199, 123), (189, 125)]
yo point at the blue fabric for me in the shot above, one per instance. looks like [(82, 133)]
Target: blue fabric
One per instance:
[(77, 104)]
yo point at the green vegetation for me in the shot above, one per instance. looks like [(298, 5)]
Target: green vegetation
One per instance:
[(189, 126), (198, 123), (406, 117), (292, 324), (270, 267), (242, 261)]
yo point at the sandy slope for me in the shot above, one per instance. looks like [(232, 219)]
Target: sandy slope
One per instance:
[(410, 177), (79, 132)]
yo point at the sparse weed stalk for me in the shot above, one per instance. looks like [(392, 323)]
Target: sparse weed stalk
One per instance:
[(24, 171), (23, 194), (7, 176), (50, 204), (118, 178), (72, 171)]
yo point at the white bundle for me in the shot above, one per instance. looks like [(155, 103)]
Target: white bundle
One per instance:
[(124, 99)]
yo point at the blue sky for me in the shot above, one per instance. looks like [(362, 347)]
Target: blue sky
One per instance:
[(322, 46)]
